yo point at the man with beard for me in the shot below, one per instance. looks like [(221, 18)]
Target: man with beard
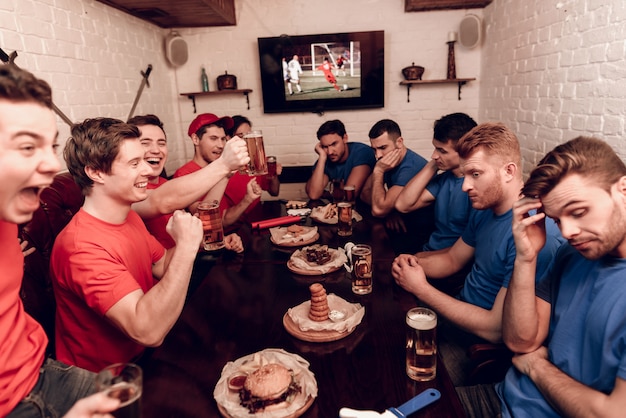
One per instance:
[(569, 328), (491, 165), (444, 191), (338, 159)]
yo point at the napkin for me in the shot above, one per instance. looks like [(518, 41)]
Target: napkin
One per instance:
[(229, 400), (354, 315), (337, 259), (281, 236)]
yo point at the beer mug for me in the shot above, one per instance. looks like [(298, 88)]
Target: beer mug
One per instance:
[(271, 166), (349, 194), (209, 214), (360, 259), (122, 381), (344, 219), (421, 344), (258, 163)]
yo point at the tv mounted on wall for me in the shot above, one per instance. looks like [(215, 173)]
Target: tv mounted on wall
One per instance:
[(357, 84)]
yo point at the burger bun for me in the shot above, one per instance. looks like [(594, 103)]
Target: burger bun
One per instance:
[(269, 382)]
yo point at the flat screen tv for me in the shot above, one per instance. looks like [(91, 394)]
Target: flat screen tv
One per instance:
[(316, 73)]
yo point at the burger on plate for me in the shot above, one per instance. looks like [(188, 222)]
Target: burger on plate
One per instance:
[(270, 387)]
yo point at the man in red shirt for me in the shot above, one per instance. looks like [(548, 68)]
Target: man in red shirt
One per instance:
[(117, 289), (30, 384)]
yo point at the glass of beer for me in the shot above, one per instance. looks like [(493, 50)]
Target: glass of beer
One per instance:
[(337, 190), (349, 194), (421, 344), (258, 163), (122, 381), (361, 257), (271, 166), (209, 213), (344, 219)]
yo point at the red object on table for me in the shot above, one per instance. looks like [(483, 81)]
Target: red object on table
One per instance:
[(283, 220)]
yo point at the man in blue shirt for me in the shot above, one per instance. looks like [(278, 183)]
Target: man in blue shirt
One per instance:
[(350, 162), (444, 190), (395, 166), (570, 328), (491, 164)]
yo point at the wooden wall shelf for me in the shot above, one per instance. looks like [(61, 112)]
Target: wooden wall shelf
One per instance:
[(459, 81), (193, 95), (426, 5)]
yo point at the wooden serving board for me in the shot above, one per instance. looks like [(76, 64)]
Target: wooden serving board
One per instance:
[(303, 272), (313, 336), (298, 243)]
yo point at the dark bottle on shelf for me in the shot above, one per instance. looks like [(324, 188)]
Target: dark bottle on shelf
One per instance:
[(205, 80)]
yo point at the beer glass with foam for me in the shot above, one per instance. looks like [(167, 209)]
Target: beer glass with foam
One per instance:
[(122, 381), (271, 166), (209, 213), (258, 163), (421, 344), (361, 258), (344, 219)]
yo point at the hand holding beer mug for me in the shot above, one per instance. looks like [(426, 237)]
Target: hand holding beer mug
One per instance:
[(271, 167), (122, 381), (258, 163), (421, 344), (209, 214)]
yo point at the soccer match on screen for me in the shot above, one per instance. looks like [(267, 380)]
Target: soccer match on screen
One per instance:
[(326, 71)]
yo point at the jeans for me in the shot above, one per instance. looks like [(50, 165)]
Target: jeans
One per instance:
[(58, 388)]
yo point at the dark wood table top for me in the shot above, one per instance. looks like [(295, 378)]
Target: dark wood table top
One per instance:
[(235, 308)]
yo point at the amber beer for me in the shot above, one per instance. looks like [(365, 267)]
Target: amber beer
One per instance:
[(123, 381), (361, 269), (209, 214), (271, 166), (421, 344), (349, 194), (258, 163), (344, 219)]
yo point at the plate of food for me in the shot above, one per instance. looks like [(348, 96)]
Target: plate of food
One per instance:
[(323, 318), (328, 214), (294, 235), (316, 260), (271, 383), (325, 214)]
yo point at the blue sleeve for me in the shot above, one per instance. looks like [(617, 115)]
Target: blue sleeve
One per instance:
[(363, 155)]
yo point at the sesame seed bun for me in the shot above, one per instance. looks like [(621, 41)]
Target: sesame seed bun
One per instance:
[(268, 382)]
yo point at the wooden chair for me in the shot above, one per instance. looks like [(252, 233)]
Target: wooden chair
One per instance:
[(490, 363), (59, 203)]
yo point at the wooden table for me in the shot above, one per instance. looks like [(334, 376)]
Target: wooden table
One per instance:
[(236, 308)]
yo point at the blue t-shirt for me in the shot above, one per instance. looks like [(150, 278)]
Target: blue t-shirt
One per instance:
[(494, 255), (452, 210), (358, 154), (410, 165), (587, 338)]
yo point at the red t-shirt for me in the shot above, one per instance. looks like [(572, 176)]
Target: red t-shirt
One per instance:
[(157, 226), (22, 340), (94, 264)]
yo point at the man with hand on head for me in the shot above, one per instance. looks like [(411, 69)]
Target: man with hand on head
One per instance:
[(117, 289), (338, 159), (183, 190), (444, 191), (395, 166), (569, 328), (31, 384), (491, 163)]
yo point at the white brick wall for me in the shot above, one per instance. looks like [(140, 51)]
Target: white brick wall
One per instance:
[(92, 55), (554, 70)]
